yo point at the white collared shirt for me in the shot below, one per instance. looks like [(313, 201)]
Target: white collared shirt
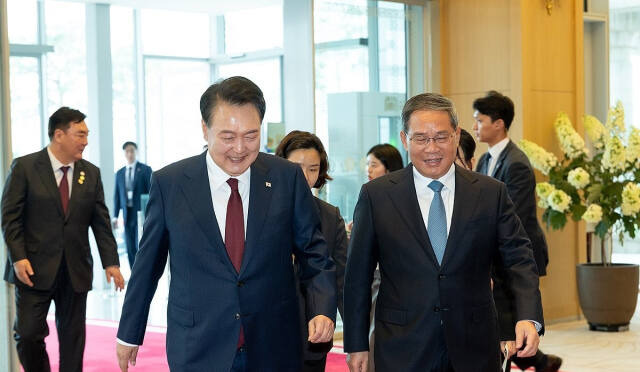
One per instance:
[(57, 172), (425, 194), (495, 152), (221, 191)]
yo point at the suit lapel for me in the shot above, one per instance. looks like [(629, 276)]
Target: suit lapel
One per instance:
[(77, 188), (197, 190), (259, 200), (44, 170), (501, 158), (464, 202), (482, 164), (404, 198)]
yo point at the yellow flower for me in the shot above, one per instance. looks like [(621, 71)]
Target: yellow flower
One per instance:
[(578, 178), (559, 201), (630, 199), (615, 119), (633, 146), (571, 142), (596, 132), (541, 159), (614, 155), (593, 213)]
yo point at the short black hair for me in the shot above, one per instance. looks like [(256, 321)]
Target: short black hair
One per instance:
[(299, 140), (62, 119), (468, 145), (496, 106), (129, 143), (388, 155), (428, 102), (236, 90)]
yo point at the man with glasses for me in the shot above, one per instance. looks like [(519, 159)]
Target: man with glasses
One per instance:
[(505, 162), (435, 229)]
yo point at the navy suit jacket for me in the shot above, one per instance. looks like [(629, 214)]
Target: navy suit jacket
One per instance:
[(208, 299), (421, 304), (141, 185)]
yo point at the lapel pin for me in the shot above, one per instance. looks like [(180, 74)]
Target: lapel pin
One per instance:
[(82, 173), (268, 184)]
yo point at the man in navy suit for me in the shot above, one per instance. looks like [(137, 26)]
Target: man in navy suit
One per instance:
[(132, 180), (232, 299)]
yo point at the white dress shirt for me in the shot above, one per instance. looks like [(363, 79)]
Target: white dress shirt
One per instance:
[(220, 193), (425, 194), (495, 152), (57, 172)]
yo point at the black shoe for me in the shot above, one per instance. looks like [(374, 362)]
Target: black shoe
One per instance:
[(553, 364)]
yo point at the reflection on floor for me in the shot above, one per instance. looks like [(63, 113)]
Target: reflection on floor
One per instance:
[(581, 349)]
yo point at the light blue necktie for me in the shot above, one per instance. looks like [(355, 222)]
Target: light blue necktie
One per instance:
[(437, 225)]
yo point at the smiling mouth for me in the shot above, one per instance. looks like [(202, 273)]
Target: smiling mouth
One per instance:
[(236, 159), (433, 162)]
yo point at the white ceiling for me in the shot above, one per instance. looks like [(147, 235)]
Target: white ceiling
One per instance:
[(209, 6)]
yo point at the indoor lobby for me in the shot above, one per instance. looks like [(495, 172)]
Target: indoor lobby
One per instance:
[(343, 70)]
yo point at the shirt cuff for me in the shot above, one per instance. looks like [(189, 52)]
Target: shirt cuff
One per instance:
[(536, 324), (125, 343)]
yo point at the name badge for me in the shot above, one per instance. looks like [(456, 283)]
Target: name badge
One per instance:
[(129, 195)]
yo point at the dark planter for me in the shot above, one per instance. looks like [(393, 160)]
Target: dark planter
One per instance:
[(608, 295)]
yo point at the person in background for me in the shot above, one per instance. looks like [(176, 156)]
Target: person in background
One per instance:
[(493, 115), (132, 181), (306, 149), (50, 199), (465, 157), (382, 159)]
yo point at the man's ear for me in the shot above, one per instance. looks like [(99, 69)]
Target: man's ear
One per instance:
[(500, 124), (204, 131), (403, 138)]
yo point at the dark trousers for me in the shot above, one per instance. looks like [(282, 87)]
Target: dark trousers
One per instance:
[(30, 327), (131, 234), (240, 362), (317, 365)]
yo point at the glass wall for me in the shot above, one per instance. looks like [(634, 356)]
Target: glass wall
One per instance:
[(361, 74)]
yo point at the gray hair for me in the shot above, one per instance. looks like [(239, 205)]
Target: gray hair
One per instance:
[(428, 102)]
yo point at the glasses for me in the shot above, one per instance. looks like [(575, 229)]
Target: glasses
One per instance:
[(440, 139)]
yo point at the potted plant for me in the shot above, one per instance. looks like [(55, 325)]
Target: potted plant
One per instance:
[(602, 189)]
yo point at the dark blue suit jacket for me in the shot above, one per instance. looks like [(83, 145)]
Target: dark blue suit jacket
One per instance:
[(208, 300), (141, 185)]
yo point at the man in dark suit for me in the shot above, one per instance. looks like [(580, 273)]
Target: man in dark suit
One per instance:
[(232, 301), (132, 181), (50, 200), (493, 115), (434, 229)]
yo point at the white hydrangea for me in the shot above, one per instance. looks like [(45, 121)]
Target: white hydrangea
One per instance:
[(571, 142), (633, 146), (578, 178), (559, 201), (593, 213), (614, 157), (540, 159), (630, 199), (596, 132), (615, 119), (543, 189)]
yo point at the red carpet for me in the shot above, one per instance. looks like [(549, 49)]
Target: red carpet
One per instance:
[(100, 350)]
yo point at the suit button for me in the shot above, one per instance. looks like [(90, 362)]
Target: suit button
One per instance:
[(237, 316), (436, 309), (442, 276), (240, 283)]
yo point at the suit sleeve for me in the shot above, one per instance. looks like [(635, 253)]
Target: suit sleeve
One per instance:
[(519, 265), (519, 178), (14, 197), (101, 226), (116, 198), (340, 258), (317, 270), (362, 259), (150, 263)]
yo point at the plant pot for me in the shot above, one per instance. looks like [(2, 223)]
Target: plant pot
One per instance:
[(608, 295)]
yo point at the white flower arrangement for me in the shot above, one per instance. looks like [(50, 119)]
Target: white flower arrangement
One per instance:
[(570, 141), (593, 213), (540, 158), (578, 178)]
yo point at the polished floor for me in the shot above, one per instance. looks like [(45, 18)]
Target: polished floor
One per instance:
[(582, 350)]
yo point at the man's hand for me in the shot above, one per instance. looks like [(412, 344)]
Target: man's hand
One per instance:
[(511, 348), (126, 355), (526, 334), (320, 329), (23, 271), (114, 272), (358, 362)]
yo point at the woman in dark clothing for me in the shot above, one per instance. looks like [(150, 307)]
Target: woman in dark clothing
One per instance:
[(306, 149)]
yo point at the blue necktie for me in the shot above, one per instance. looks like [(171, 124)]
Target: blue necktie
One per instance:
[(437, 225)]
